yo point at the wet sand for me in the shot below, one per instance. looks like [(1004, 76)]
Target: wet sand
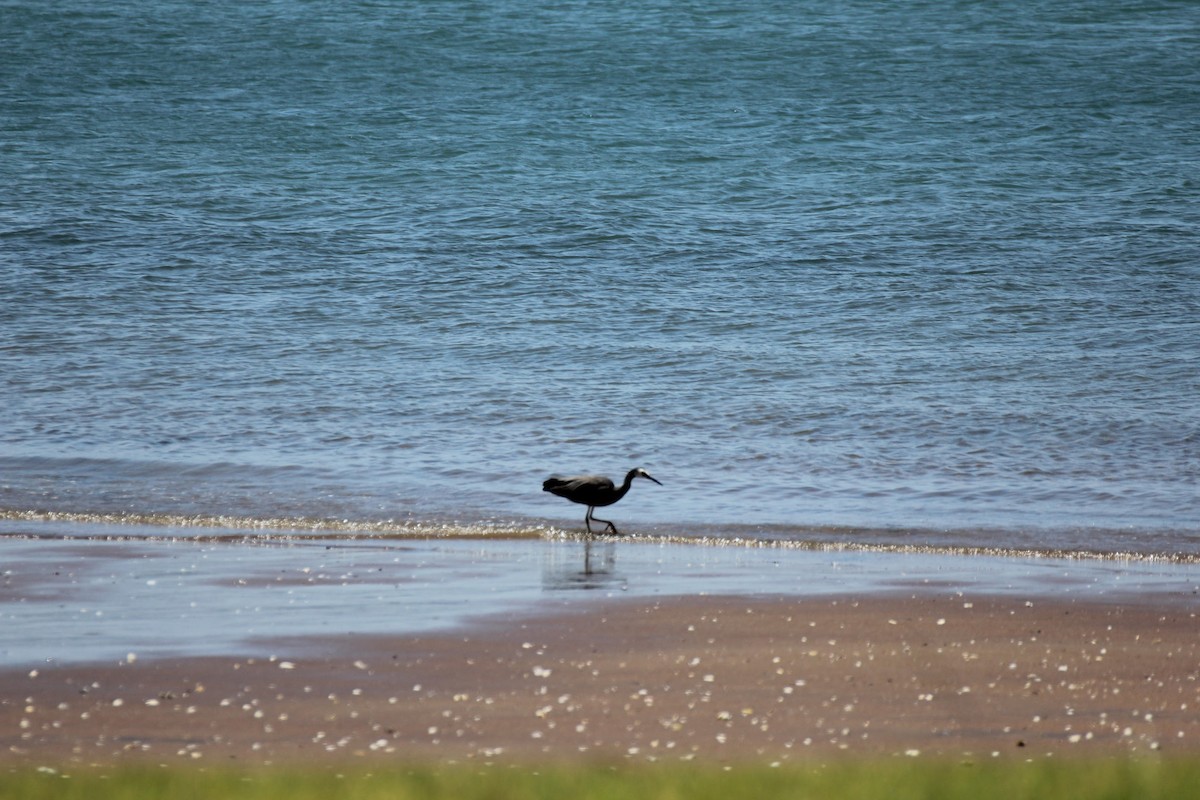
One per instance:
[(768, 679)]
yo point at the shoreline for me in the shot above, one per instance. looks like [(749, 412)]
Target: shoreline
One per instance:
[(717, 678), (247, 652), (1120, 543)]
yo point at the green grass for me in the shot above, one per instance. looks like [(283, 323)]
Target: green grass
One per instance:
[(886, 780)]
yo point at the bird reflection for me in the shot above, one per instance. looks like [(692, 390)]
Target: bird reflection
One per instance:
[(581, 565)]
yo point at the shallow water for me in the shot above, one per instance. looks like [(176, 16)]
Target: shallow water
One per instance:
[(80, 598), (903, 272)]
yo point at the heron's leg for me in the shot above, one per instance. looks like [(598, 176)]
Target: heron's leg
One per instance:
[(611, 528), (587, 519)]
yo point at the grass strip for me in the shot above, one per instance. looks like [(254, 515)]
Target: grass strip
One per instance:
[(1113, 779)]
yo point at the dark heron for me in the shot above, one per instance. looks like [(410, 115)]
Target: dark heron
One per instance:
[(593, 491)]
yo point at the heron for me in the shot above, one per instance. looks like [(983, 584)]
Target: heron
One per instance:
[(593, 491)]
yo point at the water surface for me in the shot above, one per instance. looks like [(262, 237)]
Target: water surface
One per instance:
[(862, 271)]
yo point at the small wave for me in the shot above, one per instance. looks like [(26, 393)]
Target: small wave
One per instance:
[(148, 526), (815, 545)]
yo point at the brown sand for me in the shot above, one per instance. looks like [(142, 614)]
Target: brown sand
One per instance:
[(716, 679)]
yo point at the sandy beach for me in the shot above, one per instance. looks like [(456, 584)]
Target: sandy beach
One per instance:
[(716, 678)]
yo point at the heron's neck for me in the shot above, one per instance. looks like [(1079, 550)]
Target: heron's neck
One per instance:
[(629, 476)]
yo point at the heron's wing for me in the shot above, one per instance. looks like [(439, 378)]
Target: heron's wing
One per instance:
[(580, 488)]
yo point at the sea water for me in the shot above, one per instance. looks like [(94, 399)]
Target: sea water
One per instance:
[(916, 270)]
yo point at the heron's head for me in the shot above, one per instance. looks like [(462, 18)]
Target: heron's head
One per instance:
[(641, 473)]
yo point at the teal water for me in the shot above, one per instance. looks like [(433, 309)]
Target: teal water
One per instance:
[(854, 270)]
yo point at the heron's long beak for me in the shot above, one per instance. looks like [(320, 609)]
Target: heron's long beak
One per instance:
[(648, 475)]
